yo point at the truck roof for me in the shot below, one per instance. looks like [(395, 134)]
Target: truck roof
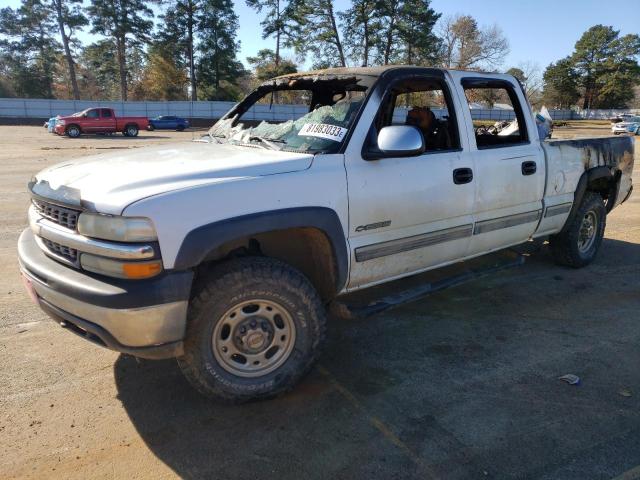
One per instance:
[(371, 73)]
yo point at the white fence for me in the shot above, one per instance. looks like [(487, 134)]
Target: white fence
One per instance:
[(40, 108)]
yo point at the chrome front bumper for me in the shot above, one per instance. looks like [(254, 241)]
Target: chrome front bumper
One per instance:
[(146, 318)]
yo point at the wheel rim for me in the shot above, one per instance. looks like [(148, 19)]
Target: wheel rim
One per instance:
[(254, 338), (131, 131), (588, 229)]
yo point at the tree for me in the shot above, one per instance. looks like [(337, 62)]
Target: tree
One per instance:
[(607, 66), (70, 17), (127, 23), (528, 73), (280, 21), (218, 68), (465, 45), (362, 29), (561, 84), (98, 71), (28, 49), (178, 35), (162, 79), (318, 33), (264, 65), (415, 25)]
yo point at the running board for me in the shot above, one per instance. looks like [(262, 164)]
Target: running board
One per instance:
[(360, 305)]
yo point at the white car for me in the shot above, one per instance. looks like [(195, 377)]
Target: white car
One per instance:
[(623, 126), (225, 252)]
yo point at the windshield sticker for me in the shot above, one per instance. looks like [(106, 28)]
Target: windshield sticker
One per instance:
[(323, 130)]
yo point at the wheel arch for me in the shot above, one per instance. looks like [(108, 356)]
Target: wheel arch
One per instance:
[(309, 238), (601, 180)]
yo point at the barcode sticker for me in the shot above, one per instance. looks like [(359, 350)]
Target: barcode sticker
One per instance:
[(323, 130)]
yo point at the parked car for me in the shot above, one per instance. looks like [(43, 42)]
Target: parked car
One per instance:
[(634, 128), (224, 252), (168, 122), (99, 120), (622, 127), (50, 124)]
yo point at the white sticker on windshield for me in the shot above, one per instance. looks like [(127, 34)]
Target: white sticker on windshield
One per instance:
[(323, 130)]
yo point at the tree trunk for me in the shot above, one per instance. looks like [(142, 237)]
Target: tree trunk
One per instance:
[(365, 54), (67, 50), (278, 31), (122, 66), (392, 26), (192, 68), (336, 34)]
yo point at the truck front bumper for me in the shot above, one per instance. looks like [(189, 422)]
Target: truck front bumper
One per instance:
[(145, 318)]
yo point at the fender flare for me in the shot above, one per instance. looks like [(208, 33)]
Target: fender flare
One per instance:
[(587, 177), (200, 242)]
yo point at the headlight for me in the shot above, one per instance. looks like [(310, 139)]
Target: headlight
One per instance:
[(118, 229)]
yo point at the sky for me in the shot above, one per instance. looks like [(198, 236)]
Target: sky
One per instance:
[(538, 32)]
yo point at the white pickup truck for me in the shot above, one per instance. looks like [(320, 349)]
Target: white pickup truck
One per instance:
[(224, 252)]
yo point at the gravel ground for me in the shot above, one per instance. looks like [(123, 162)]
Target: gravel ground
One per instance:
[(462, 384)]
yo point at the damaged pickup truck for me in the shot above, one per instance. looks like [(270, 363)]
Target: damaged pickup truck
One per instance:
[(225, 252)]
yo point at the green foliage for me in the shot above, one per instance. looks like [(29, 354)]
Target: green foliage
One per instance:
[(362, 30), (127, 23), (28, 50), (561, 84), (218, 67), (416, 22), (264, 65)]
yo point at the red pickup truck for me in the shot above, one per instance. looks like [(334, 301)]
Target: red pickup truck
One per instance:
[(99, 120)]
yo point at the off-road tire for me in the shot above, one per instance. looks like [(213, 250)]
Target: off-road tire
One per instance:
[(73, 131), (565, 245), (232, 283)]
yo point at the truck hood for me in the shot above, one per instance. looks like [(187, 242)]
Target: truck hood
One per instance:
[(110, 182)]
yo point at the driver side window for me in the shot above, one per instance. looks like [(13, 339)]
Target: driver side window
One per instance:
[(424, 103)]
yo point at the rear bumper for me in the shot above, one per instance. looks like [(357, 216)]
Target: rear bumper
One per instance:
[(144, 318)]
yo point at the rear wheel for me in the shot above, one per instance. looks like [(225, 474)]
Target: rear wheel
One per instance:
[(255, 327), (180, 128), (578, 244), (131, 131), (73, 131)]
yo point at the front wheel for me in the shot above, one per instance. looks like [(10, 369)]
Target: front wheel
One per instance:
[(73, 131), (578, 244), (255, 327)]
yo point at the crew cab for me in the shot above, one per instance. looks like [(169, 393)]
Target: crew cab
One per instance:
[(99, 120), (225, 252)]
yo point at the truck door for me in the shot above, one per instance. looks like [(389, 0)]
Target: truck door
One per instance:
[(407, 214), (107, 122), (92, 121), (510, 168)]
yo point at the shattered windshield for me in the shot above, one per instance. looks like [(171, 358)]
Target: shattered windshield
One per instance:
[(319, 118)]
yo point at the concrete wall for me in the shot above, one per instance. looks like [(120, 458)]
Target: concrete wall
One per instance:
[(40, 109)]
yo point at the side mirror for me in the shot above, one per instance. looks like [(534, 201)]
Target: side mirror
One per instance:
[(401, 141)]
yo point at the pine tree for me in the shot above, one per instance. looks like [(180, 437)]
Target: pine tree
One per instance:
[(126, 23), (69, 16), (218, 68), (28, 49), (362, 29)]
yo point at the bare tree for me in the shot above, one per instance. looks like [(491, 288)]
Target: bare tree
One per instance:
[(466, 45), (530, 76)]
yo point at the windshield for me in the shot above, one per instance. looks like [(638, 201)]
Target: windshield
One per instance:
[(311, 120)]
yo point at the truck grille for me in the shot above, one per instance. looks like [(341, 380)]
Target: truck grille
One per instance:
[(70, 254), (62, 216)]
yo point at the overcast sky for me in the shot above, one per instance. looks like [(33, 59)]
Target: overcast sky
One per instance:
[(540, 31)]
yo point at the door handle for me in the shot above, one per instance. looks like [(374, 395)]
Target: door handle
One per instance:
[(462, 175), (529, 168)]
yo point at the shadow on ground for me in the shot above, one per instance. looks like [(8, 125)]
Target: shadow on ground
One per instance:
[(462, 384)]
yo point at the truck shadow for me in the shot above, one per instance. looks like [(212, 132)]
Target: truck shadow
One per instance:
[(463, 383)]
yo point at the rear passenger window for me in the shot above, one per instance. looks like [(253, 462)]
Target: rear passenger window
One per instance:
[(424, 103), (498, 120), (106, 113)]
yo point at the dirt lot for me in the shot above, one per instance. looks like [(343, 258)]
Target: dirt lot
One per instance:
[(462, 384)]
